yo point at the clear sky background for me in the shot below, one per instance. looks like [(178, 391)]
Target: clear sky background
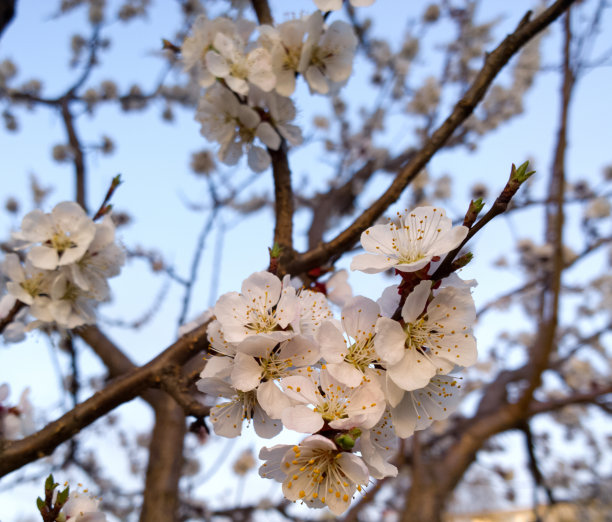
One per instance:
[(153, 158)]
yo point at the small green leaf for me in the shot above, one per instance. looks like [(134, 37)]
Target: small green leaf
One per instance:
[(62, 496), (460, 262), (116, 181), (477, 205), (50, 484), (275, 251), (40, 503), (521, 174)]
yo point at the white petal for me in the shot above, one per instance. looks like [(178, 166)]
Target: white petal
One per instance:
[(413, 371), (316, 80), (372, 263), (43, 257), (272, 399), (301, 419), (246, 372), (415, 302), (217, 64), (217, 366), (346, 373), (265, 427), (267, 134), (258, 159), (332, 343), (389, 341)]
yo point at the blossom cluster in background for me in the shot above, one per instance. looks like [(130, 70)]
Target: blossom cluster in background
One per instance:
[(248, 80), (15, 421), (354, 385), (60, 269)]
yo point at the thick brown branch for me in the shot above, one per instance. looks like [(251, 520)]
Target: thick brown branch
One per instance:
[(464, 107), (262, 10), (161, 494), (124, 388), (7, 12)]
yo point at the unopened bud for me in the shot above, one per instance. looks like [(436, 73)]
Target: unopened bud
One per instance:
[(521, 174)]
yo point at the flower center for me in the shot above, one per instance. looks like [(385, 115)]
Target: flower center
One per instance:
[(274, 367), (361, 353), (417, 334), (61, 242)]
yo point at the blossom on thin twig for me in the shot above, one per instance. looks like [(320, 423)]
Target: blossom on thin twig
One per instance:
[(409, 244)]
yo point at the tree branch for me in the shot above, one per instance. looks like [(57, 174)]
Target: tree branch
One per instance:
[(7, 12), (124, 388), (283, 205), (262, 10), (494, 62), (161, 493), (77, 152)]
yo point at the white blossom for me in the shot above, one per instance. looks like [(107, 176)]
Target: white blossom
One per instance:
[(350, 353), (260, 361), (67, 304), (280, 111), (235, 126), (327, 56), (102, 260), (409, 244), (266, 307), (598, 208), (322, 399), (82, 507), (14, 332), (204, 31), (433, 337), (228, 59), (314, 310), (227, 418), (16, 421), (316, 472), (59, 238), (284, 43), (26, 283)]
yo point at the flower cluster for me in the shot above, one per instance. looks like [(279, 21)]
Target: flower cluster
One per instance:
[(15, 421), (354, 385), (68, 259), (248, 80)]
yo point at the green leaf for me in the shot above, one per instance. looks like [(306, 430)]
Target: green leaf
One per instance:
[(521, 174), (40, 503), (275, 251), (478, 205), (50, 484), (62, 496)]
